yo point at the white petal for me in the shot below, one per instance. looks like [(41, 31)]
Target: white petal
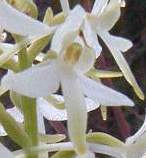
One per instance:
[(4, 152), (121, 43), (76, 110), (110, 15), (16, 114), (65, 6), (18, 23), (122, 63), (98, 6), (86, 60), (6, 47), (54, 114), (34, 82), (91, 38), (103, 94), (68, 31), (2, 131), (107, 150), (91, 105)]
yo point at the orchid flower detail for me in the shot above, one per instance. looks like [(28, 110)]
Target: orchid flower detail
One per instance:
[(73, 60), (103, 17), (99, 22)]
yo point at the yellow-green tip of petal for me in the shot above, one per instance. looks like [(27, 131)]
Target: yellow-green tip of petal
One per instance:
[(139, 92)]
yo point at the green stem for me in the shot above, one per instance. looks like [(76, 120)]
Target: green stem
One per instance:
[(30, 124), (28, 106)]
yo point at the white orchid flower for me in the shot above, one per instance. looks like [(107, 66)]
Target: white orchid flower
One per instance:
[(18, 23), (104, 15), (68, 69)]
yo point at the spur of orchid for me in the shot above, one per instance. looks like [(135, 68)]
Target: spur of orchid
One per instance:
[(34, 77)]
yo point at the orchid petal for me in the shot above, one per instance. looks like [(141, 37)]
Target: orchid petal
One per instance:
[(105, 139), (91, 38), (18, 23), (121, 43), (122, 63), (28, 82), (65, 6), (51, 113), (107, 150), (96, 74), (86, 60), (98, 6), (103, 94), (4, 152), (76, 110), (110, 15), (68, 31)]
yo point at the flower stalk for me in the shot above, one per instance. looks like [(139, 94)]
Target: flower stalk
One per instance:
[(28, 106)]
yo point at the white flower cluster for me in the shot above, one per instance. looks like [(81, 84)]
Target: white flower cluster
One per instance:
[(68, 64)]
